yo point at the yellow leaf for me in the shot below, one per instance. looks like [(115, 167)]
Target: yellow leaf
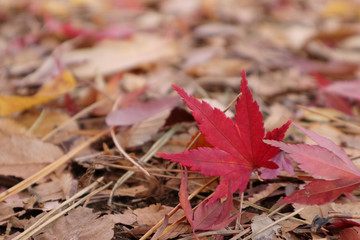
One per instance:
[(340, 9), (61, 84)]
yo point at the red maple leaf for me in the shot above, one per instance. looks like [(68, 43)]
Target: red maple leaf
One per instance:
[(211, 216), (238, 146), (331, 99), (336, 173)]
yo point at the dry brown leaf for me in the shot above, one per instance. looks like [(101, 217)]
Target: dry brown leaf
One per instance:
[(81, 223), (310, 212), (288, 225), (271, 187), (260, 222), (347, 208), (152, 214), (274, 84), (311, 116), (219, 67), (325, 130), (128, 191), (23, 156), (126, 218), (180, 228), (6, 211), (142, 132), (56, 189), (10, 127), (279, 115), (112, 56)]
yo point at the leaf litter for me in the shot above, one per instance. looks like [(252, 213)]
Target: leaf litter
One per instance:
[(63, 70)]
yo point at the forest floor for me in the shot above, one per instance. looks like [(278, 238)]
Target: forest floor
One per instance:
[(87, 103)]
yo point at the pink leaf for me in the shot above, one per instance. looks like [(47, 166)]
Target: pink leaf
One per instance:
[(138, 113), (284, 164), (326, 161), (348, 89), (316, 160), (328, 144), (322, 191)]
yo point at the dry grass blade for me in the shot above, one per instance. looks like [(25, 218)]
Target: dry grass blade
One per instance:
[(350, 125), (53, 218), (274, 223), (42, 219), (152, 151), (76, 116), (48, 169), (278, 213), (123, 152), (222, 232), (238, 219), (238, 236), (37, 122)]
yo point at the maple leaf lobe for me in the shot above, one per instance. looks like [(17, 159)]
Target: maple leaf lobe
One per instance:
[(238, 145)]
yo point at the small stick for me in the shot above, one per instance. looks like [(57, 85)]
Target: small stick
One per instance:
[(238, 219), (154, 148)]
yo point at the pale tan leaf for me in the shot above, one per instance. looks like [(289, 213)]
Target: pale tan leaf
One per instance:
[(152, 214), (347, 208), (56, 189), (142, 132), (126, 218), (271, 187), (128, 191), (260, 222), (22, 156), (310, 212), (82, 224), (111, 56)]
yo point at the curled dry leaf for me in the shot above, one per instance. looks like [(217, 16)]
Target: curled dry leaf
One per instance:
[(208, 216)]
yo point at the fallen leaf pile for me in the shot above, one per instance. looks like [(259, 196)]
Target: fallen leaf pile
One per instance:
[(179, 119)]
